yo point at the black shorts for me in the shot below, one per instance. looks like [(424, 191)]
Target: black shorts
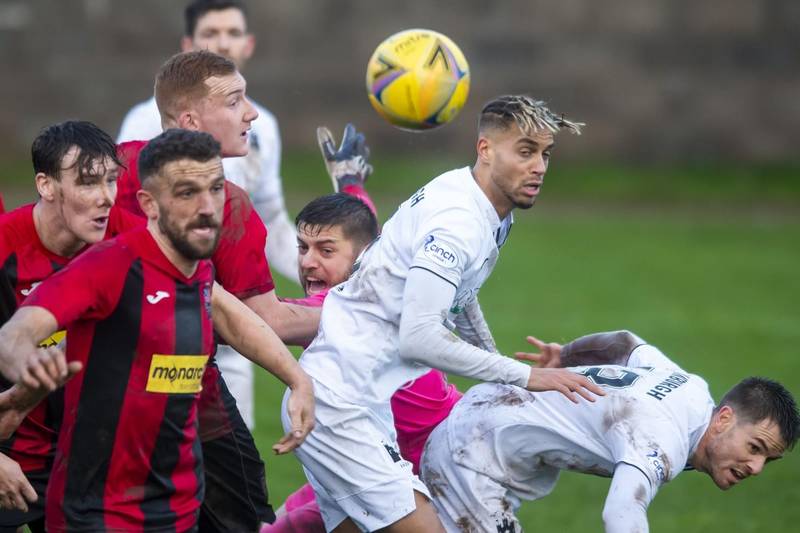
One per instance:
[(11, 519), (236, 488)]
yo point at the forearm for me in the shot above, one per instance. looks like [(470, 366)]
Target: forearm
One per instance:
[(608, 348), (625, 510), (425, 339), (294, 324), (246, 333), (472, 327), (15, 404), (21, 335)]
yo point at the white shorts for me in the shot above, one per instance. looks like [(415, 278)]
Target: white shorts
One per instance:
[(352, 461), (466, 500), (237, 371)]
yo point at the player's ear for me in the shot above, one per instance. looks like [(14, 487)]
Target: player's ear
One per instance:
[(187, 44), (148, 203), (249, 46), (484, 149), (45, 186), (189, 120), (724, 418)]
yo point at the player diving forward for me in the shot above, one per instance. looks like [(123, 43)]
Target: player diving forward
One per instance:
[(391, 321), (502, 444)]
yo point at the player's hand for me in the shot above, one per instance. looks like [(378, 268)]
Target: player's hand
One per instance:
[(19, 400), (567, 383), (349, 164), (549, 355), (300, 408), (15, 489), (47, 369)]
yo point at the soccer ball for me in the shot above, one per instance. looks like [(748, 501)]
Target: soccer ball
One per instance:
[(418, 79)]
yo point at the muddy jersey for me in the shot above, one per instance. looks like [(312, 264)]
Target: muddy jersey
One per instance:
[(652, 417)]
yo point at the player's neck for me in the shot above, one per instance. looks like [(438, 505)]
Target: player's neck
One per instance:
[(699, 459), (495, 196), (53, 232), (185, 266)]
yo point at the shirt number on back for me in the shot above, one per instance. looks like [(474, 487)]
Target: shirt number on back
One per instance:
[(616, 378)]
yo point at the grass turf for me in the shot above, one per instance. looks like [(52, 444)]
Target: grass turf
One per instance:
[(700, 261)]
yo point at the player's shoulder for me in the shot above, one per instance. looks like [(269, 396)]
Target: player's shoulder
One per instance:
[(16, 229)]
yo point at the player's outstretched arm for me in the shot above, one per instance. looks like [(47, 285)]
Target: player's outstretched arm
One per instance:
[(630, 493), (22, 361), (425, 339), (295, 324), (253, 338), (608, 348)]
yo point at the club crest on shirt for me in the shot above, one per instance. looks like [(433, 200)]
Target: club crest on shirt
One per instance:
[(207, 298), (440, 252)]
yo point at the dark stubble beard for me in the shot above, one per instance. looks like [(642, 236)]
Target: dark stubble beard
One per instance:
[(180, 241)]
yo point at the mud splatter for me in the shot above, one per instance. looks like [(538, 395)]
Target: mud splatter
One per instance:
[(667, 466), (434, 481), (641, 495), (465, 526)]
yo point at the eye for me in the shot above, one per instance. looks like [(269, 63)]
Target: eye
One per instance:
[(525, 153), (546, 154), (217, 188), (185, 194), (753, 448)]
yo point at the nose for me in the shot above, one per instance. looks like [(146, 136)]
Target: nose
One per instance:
[(539, 166), (756, 465), (206, 204), (108, 193), (223, 43), (250, 112), (308, 260)]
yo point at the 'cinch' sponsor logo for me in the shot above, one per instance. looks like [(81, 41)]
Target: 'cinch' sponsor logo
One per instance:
[(176, 374), (440, 252)]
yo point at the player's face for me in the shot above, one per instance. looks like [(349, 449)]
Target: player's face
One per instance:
[(85, 198), (517, 165), (741, 449), (223, 32), (326, 257), (190, 206), (226, 113)]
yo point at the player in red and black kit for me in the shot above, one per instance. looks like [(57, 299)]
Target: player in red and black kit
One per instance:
[(76, 171), (203, 91), (140, 322)]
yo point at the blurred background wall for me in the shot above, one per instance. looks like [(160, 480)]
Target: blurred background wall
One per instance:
[(656, 80)]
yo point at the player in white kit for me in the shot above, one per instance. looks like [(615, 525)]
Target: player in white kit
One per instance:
[(220, 26), (393, 320), (502, 444)]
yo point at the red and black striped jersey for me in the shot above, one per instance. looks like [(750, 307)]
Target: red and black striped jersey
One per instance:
[(129, 455), (24, 263), (240, 260)]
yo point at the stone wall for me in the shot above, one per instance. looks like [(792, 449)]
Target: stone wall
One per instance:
[(656, 80)]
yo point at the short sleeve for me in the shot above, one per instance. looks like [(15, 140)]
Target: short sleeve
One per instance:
[(653, 447), (447, 243), (648, 355), (88, 287), (240, 261)]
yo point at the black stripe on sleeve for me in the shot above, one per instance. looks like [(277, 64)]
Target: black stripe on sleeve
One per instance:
[(435, 274)]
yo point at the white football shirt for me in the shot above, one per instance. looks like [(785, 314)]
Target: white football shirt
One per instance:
[(448, 227), (652, 417)]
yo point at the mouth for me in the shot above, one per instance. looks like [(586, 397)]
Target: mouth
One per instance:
[(738, 475), (204, 232), (314, 286), (532, 189), (100, 223)]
